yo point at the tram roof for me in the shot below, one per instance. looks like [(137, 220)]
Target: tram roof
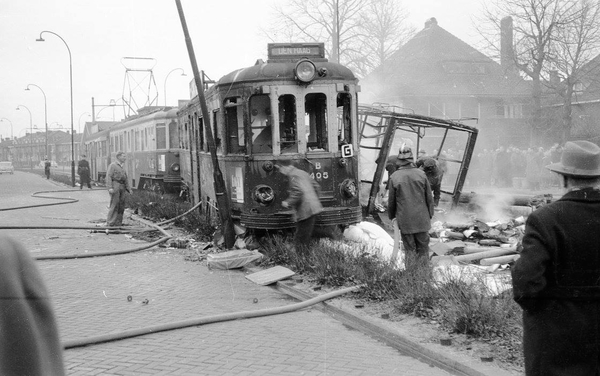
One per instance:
[(284, 71)]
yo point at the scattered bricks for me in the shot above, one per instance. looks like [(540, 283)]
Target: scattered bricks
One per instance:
[(385, 316), (446, 341), (359, 305), (487, 359), (317, 288)]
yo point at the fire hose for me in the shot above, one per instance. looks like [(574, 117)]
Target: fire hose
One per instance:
[(74, 343), (81, 342)]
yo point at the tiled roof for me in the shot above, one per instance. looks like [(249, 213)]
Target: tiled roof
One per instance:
[(435, 62)]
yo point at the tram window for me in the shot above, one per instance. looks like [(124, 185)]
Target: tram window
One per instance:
[(151, 139), (161, 136), (173, 135), (344, 119), (315, 108), (288, 131), (234, 124), (260, 124), (216, 134), (200, 134)]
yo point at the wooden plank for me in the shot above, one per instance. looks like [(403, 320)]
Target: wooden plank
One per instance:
[(271, 275)]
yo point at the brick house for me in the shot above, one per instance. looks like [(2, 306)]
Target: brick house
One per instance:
[(437, 74)]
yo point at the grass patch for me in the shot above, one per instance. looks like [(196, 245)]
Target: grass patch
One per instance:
[(160, 208)]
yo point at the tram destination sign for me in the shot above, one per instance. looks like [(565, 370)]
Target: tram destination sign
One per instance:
[(294, 51)]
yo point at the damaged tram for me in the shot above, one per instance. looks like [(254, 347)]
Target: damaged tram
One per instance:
[(296, 106), (384, 129)]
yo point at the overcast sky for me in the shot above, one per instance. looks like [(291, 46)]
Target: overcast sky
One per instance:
[(226, 36)]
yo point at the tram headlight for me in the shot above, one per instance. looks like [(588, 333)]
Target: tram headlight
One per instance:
[(305, 71), (263, 194), (348, 188), (175, 167)]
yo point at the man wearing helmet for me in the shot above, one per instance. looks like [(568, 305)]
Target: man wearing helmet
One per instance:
[(411, 203), (557, 278)]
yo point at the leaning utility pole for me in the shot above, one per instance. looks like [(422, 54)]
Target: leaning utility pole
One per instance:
[(219, 183)]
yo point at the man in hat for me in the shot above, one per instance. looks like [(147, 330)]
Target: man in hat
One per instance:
[(117, 183), (557, 278), (47, 165), (411, 203)]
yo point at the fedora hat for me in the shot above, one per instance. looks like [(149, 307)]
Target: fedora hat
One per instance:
[(579, 159)]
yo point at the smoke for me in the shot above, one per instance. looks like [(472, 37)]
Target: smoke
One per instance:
[(492, 207)]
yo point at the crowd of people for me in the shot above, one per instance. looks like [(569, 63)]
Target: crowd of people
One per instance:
[(507, 167)]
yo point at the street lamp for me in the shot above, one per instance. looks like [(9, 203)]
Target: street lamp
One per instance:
[(11, 127), (40, 39), (45, 113), (30, 134), (165, 85), (79, 121)]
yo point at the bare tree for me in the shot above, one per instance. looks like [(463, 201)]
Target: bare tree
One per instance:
[(536, 24), (576, 44), (355, 32)]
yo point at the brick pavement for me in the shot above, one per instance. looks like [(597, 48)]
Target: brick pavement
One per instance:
[(90, 298)]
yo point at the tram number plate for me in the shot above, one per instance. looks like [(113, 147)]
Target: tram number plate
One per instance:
[(319, 174), (347, 151)]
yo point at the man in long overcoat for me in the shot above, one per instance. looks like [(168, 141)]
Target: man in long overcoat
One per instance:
[(83, 170), (557, 278), (411, 203)]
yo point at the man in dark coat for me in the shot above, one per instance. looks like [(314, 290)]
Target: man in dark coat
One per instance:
[(411, 203), (118, 184), (304, 198), (47, 165), (83, 170), (434, 174), (557, 278), (30, 342)]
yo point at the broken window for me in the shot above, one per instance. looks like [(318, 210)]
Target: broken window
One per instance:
[(315, 115), (260, 124), (344, 119), (288, 131), (234, 123)]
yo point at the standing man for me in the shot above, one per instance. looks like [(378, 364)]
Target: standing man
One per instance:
[(117, 183), (556, 280), (47, 165), (83, 170), (411, 203), (303, 197)]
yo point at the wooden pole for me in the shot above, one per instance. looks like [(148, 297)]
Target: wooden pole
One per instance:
[(219, 182)]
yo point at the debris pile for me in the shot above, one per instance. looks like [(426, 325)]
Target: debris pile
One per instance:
[(483, 243)]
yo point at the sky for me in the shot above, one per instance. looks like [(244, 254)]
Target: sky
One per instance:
[(226, 35)]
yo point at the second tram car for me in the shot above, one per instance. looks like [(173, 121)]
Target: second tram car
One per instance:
[(150, 140), (297, 106)]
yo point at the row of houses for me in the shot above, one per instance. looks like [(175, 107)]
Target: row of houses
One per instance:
[(27, 151)]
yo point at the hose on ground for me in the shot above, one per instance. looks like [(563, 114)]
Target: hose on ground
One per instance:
[(74, 343)]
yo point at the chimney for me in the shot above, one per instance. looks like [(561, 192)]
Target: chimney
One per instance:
[(507, 54), (430, 22)]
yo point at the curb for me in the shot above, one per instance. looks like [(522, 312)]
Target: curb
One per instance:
[(394, 340)]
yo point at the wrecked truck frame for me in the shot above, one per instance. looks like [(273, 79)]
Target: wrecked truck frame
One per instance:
[(383, 128)]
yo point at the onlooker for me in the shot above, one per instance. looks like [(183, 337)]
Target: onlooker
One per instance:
[(555, 280), (117, 183), (83, 170), (411, 203), (303, 197), (30, 340), (434, 175), (47, 165)]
